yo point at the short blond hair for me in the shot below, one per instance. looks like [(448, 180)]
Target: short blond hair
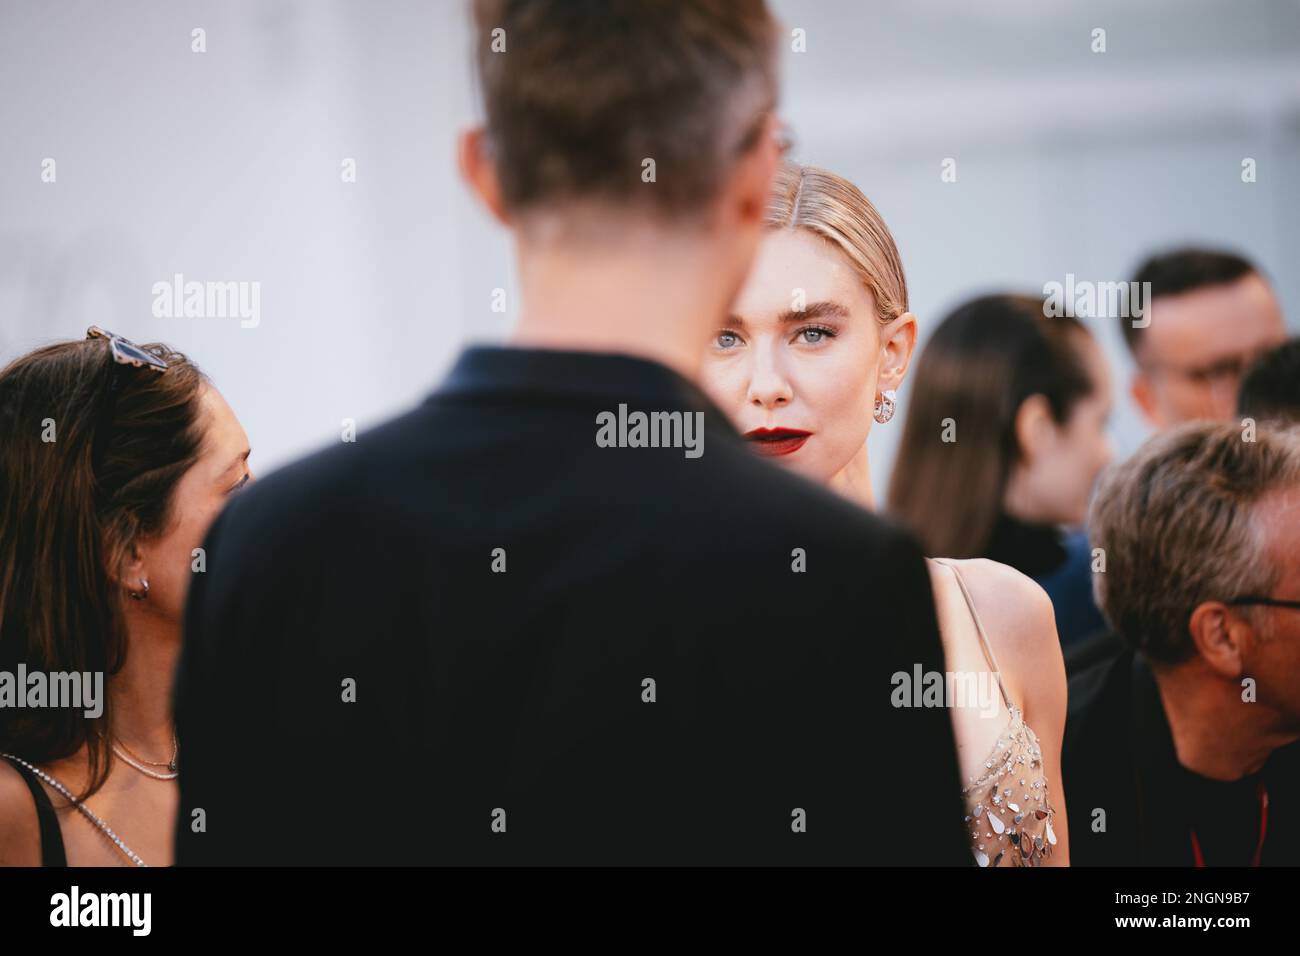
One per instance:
[(806, 197), (1178, 526)]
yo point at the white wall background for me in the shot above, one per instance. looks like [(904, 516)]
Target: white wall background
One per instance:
[(226, 165)]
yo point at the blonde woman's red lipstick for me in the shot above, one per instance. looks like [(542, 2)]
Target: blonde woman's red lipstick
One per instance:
[(777, 441)]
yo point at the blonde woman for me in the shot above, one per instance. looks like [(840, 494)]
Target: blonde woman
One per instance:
[(818, 343)]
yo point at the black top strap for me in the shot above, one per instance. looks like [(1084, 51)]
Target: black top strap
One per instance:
[(52, 853)]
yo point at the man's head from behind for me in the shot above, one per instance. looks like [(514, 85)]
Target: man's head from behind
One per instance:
[(1201, 534), (636, 111), (1211, 315), (1271, 389)]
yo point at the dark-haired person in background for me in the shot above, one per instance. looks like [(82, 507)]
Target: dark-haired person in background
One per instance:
[(1179, 744), (1211, 315), (482, 635), (1005, 435), (1271, 389), (116, 459)]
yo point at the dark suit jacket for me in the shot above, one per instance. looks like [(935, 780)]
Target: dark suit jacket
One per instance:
[(1118, 756), (479, 691)]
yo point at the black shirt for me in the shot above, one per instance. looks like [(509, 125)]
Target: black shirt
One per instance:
[(1225, 816), (507, 595), (1132, 803), (1033, 550)]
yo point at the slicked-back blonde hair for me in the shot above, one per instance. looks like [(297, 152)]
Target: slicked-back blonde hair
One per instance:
[(806, 197)]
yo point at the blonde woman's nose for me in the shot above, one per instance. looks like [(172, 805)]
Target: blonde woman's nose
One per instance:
[(769, 387)]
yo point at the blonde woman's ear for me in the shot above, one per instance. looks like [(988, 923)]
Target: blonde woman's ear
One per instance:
[(897, 342)]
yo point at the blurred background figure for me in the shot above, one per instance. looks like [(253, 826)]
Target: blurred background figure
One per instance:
[(1180, 740), (1271, 389), (1211, 315), (1004, 438)]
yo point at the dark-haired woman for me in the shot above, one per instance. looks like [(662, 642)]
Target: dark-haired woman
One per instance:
[(116, 458), (1028, 398)]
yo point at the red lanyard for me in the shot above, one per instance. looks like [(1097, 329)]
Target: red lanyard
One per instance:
[(1263, 830)]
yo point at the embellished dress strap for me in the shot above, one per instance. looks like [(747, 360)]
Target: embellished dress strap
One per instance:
[(979, 629)]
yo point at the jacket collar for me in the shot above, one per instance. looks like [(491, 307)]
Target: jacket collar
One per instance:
[(495, 369)]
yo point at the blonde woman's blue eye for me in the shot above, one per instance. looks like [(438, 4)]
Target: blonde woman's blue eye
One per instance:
[(814, 336), (728, 340)]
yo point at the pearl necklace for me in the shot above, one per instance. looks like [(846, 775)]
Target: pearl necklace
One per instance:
[(85, 810)]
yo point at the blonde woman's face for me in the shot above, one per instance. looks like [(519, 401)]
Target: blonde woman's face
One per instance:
[(797, 363)]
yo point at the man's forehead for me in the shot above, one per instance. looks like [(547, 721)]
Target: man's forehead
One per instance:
[(1215, 322)]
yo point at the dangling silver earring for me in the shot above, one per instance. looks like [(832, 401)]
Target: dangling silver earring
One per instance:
[(885, 406), (143, 592)]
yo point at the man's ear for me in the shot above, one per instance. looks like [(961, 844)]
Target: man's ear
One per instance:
[(1033, 427), (474, 159), (1220, 636), (751, 179), (1145, 397), (897, 342)]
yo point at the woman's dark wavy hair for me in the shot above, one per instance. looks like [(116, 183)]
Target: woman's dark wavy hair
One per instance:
[(71, 509)]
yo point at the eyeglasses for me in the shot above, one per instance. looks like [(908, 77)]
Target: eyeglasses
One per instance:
[(1267, 601), (1225, 371), (126, 352)]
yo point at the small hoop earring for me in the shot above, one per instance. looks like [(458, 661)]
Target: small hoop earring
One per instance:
[(143, 592), (885, 406)]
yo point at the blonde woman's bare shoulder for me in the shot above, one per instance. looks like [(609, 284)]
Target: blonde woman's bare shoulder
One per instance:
[(1018, 617), (1002, 592), (20, 832)]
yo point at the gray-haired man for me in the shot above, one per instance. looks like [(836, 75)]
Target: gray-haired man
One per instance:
[(1180, 741)]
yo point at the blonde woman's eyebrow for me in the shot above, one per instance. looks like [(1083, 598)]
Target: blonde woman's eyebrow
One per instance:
[(816, 310)]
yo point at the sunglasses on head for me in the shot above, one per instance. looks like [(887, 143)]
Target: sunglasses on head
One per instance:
[(126, 352)]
